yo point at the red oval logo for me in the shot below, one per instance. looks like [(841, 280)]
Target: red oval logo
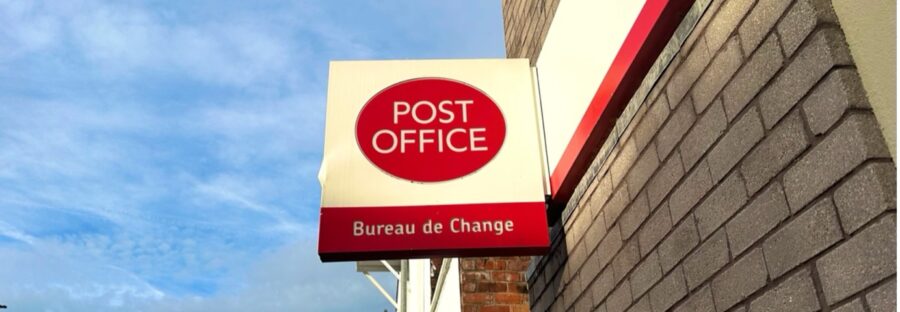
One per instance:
[(430, 129)]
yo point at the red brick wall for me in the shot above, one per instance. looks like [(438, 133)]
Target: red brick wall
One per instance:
[(494, 284)]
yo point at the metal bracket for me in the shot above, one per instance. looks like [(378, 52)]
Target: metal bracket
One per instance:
[(415, 290)]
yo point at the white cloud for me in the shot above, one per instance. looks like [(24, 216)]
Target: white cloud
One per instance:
[(281, 129), (236, 191), (68, 156), (123, 40), (8, 231), (287, 279), (163, 226), (24, 29), (73, 279), (164, 158), (292, 279)]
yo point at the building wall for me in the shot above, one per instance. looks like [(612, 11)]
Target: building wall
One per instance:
[(871, 29), (754, 177), (525, 24), (495, 284)]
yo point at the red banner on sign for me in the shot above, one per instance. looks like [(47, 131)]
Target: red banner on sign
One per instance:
[(469, 230)]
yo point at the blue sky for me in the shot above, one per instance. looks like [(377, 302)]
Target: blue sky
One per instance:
[(162, 155)]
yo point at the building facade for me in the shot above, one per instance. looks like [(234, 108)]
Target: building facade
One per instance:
[(752, 174)]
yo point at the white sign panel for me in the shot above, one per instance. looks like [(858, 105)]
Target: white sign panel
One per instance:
[(431, 157)]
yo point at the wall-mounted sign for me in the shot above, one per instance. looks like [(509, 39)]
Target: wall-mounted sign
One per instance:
[(431, 158)]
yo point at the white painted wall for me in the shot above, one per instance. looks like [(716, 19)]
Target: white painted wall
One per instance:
[(870, 27), (582, 42), (419, 288), (450, 295)]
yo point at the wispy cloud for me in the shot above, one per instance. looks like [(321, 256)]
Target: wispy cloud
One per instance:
[(127, 39), (163, 156)]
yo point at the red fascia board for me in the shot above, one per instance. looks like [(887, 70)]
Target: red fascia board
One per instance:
[(648, 36)]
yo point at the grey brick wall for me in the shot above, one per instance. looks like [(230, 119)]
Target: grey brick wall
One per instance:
[(525, 24), (753, 179)]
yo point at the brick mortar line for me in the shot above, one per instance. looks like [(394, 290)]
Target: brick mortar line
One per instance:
[(766, 132), (765, 288), (732, 258), (813, 138), (759, 242), (774, 31), (556, 241), (772, 283), (712, 9), (616, 285), (811, 265), (698, 116), (814, 141), (708, 281), (616, 189), (557, 274), (752, 103), (814, 273), (665, 198), (828, 192), (787, 61), (661, 72), (632, 126), (664, 273), (580, 210), (798, 157), (713, 54), (624, 242), (865, 291), (547, 283)]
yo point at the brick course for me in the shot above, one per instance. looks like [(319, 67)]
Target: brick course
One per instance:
[(839, 91), (853, 306), (700, 301), (706, 260), (525, 24), (862, 261), (883, 298), (757, 179), (797, 294), (867, 194), (776, 151), (494, 284), (808, 234), (854, 141), (758, 218), (653, 232), (736, 283), (752, 77), (826, 48), (668, 291), (679, 242), (760, 21), (645, 275)]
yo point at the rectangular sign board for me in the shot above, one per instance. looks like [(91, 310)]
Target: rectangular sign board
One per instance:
[(431, 158)]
